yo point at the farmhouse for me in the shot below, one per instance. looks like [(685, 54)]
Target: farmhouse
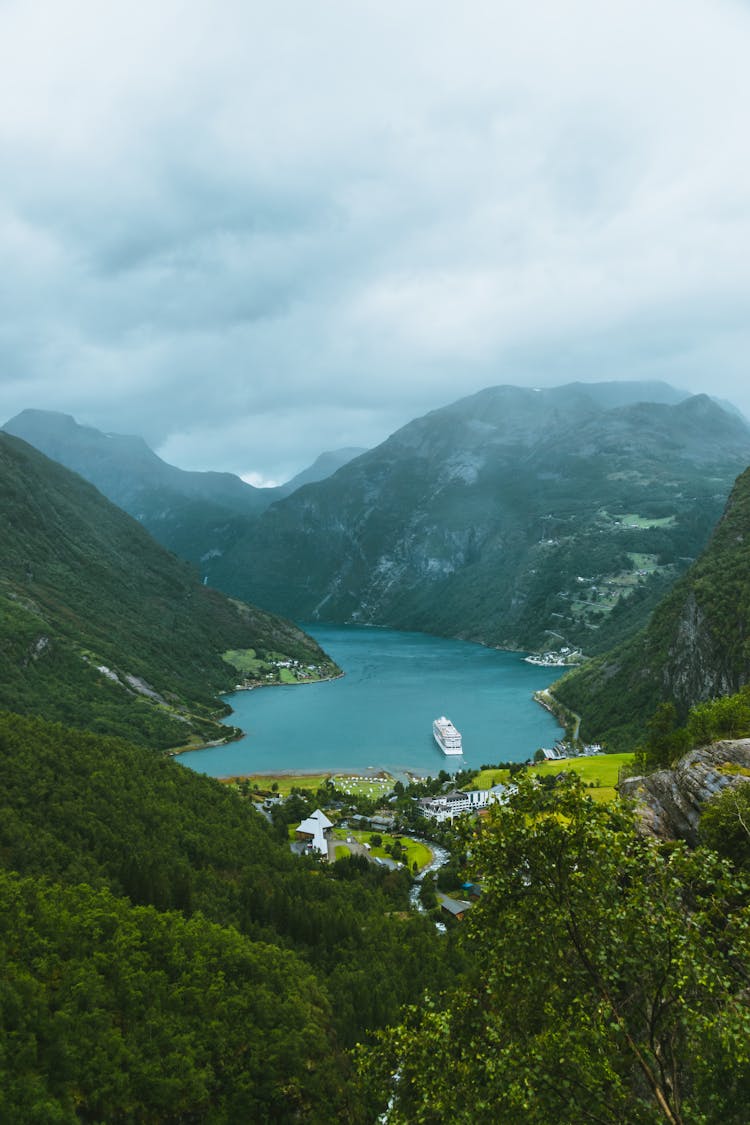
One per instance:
[(454, 907), (314, 831)]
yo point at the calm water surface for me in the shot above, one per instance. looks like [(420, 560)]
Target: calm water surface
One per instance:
[(379, 714)]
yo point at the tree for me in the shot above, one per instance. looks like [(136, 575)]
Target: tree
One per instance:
[(609, 981), (725, 824), (665, 741)]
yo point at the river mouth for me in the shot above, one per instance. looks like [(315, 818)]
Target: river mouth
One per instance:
[(379, 715)]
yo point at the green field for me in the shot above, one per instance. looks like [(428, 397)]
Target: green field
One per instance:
[(416, 851), (270, 671), (364, 786), (485, 779), (285, 783), (600, 772), (355, 785), (633, 520)]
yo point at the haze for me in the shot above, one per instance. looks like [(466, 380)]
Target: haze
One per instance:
[(252, 232)]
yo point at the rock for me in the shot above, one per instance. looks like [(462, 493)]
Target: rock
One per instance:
[(670, 802)]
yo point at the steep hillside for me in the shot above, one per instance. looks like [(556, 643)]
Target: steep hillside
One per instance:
[(190, 513), (696, 645), (100, 626), (196, 515), (522, 518), (166, 959)]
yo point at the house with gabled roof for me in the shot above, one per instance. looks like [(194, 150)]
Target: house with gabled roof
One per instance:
[(314, 832)]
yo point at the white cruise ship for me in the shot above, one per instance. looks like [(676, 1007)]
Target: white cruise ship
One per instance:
[(446, 736)]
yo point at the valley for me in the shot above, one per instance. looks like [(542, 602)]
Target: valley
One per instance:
[(460, 914)]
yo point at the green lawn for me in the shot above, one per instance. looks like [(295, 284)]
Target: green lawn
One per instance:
[(485, 779), (285, 784), (363, 786), (602, 771), (416, 851), (355, 785)]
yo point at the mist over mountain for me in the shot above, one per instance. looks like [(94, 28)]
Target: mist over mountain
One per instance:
[(323, 466), (518, 517), (103, 628), (191, 513)]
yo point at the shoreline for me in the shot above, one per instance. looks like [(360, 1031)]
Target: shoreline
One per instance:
[(253, 685), (377, 774), (177, 751), (561, 713)]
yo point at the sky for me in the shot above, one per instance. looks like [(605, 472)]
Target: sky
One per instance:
[(251, 232)]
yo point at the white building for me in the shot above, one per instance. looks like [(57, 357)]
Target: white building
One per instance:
[(314, 830), (448, 805)]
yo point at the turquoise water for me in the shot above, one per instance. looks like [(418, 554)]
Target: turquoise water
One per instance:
[(379, 714)]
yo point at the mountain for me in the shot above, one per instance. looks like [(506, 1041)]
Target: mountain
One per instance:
[(195, 514), (696, 645), (191, 513), (322, 467), (103, 628), (517, 517)]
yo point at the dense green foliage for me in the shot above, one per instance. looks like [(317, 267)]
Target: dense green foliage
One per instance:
[(725, 824), (81, 808), (694, 648), (83, 586), (608, 982), (125, 1014)]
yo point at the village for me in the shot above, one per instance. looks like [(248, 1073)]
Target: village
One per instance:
[(404, 828)]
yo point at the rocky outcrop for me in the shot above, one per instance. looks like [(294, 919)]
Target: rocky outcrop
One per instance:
[(669, 802)]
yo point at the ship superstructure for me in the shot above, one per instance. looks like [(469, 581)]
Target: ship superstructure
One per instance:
[(446, 736)]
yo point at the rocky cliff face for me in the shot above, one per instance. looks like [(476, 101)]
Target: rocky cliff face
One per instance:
[(670, 802)]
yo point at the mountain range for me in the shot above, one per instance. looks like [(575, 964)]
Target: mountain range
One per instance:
[(527, 519), (519, 518), (191, 513)]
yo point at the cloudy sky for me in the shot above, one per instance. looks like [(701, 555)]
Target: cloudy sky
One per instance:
[(253, 231)]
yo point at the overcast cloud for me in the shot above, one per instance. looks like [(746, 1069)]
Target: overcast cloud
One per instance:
[(251, 232)]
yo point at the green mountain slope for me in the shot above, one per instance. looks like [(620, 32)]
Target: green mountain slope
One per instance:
[(198, 515), (516, 517), (188, 512), (99, 626), (695, 646), (166, 950)]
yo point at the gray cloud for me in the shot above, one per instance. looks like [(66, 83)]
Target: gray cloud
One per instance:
[(252, 232)]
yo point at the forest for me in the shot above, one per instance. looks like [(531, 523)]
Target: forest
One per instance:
[(167, 959)]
